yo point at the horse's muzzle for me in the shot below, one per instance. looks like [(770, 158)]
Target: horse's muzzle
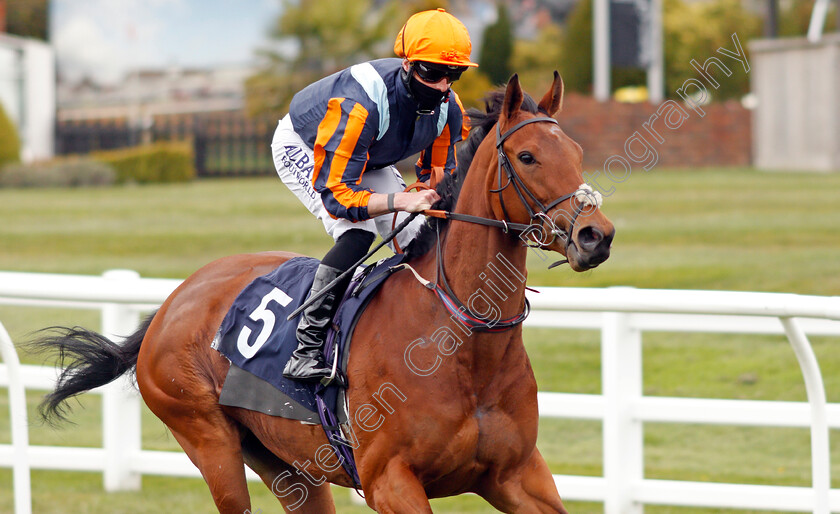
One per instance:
[(589, 248)]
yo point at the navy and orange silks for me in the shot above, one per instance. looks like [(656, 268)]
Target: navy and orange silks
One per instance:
[(363, 118)]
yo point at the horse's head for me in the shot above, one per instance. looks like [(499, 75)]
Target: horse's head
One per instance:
[(539, 181)]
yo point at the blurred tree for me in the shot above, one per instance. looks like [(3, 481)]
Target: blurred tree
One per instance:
[(9, 141), (28, 18), (535, 60), (795, 20), (696, 31), (472, 88), (414, 6), (576, 44), (497, 47), (320, 37)]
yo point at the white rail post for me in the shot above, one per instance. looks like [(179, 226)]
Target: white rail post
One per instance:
[(601, 50), (656, 66), (621, 376), (818, 14), (20, 426), (121, 434), (815, 389)]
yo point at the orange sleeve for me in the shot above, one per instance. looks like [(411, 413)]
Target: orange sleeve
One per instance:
[(340, 159)]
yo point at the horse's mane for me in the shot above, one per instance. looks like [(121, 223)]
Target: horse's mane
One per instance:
[(450, 187)]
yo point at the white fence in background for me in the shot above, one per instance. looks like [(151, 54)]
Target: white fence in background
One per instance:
[(621, 314)]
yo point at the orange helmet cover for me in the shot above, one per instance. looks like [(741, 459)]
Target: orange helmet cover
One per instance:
[(435, 36)]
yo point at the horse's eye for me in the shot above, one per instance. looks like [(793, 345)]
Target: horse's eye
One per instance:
[(526, 158)]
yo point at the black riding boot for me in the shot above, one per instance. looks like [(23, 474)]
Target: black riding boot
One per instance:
[(307, 362)]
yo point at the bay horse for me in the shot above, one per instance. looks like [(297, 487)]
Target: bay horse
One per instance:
[(439, 407)]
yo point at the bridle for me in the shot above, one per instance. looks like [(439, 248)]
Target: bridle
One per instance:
[(541, 211), (584, 195)]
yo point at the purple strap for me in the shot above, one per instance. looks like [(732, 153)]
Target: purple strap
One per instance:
[(329, 420)]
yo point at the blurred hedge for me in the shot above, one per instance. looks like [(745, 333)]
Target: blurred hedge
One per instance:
[(158, 162), (9, 141), (68, 172)]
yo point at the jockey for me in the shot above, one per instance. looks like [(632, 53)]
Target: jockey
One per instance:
[(336, 148)]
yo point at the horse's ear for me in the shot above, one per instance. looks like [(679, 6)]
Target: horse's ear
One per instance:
[(513, 98), (552, 102)]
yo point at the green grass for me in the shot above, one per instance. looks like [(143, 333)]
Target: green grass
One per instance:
[(729, 229)]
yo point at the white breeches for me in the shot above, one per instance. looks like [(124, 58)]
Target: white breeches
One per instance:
[(294, 162)]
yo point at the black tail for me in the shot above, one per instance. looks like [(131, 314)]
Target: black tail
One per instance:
[(91, 360)]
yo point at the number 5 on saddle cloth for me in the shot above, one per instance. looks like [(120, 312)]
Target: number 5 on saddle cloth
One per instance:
[(258, 340)]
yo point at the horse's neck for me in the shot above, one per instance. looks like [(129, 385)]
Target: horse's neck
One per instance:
[(485, 269), (486, 264), (481, 259)]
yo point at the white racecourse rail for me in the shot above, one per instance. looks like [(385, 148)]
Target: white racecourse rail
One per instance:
[(620, 313)]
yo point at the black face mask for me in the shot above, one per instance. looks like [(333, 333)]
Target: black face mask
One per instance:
[(427, 98)]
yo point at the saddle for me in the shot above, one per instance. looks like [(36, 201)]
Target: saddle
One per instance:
[(258, 341)]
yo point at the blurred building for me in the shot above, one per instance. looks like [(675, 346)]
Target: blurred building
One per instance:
[(27, 89), (146, 93), (797, 116), (27, 92)]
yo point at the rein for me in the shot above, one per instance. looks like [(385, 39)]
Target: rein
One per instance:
[(455, 306), (458, 310), (583, 194)]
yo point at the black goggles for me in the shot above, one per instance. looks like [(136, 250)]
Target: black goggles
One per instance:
[(433, 72)]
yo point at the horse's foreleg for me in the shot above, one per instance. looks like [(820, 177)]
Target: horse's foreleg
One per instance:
[(397, 490), (528, 489)]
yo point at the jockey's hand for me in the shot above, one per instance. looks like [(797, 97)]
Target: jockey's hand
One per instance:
[(409, 202), (416, 201)]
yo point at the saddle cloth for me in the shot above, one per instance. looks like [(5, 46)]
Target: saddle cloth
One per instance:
[(258, 340)]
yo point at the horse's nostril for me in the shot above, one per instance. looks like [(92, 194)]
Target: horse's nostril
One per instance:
[(589, 238)]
